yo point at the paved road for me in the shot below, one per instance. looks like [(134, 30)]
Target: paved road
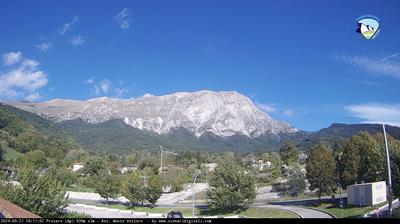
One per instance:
[(101, 212), (171, 201), (170, 198), (305, 213)]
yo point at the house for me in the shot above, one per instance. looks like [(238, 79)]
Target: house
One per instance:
[(77, 166), (302, 157), (126, 169), (210, 166), (261, 165), (366, 194)]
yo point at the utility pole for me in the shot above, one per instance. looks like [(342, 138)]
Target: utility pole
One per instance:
[(161, 167), (162, 153), (389, 172)]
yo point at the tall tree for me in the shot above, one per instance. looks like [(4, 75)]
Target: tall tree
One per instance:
[(133, 187), (231, 188), (363, 159), (296, 180), (94, 165), (107, 184), (153, 189), (142, 186), (289, 153), (394, 149), (320, 167)]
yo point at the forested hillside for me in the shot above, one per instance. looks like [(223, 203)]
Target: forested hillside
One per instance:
[(22, 132)]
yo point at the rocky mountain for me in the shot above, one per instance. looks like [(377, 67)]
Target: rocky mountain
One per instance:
[(224, 113), (115, 136)]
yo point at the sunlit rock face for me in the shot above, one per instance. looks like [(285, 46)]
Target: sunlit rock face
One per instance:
[(223, 113)]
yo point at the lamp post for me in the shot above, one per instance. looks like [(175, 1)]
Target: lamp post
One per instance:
[(389, 172), (194, 182)]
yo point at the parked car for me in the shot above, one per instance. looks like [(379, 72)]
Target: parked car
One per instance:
[(175, 215)]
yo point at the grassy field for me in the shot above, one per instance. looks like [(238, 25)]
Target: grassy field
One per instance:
[(11, 154), (251, 212), (261, 213), (348, 211)]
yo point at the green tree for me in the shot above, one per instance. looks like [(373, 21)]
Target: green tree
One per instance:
[(132, 187), (363, 159), (320, 167), (42, 195), (107, 184), (36, 158), (231, 188), (174, 178), (394, 149), (296, 180), (153, 189), (94, 165), (289, 153), (276, 161), (67, 177)]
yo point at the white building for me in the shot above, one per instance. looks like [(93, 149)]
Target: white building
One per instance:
[(210, 166), (77, 166), (302, 157), (128, 169), (261, 165), (366, 194)]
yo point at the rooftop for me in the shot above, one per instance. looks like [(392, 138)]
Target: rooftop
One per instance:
[(10, 210)]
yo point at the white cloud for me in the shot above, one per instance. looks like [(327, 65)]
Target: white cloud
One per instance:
[(89, 81), (106, 88), (68, 25), (147, 95), (44, 46), (12, 58), (105, 85), (33, 97), (77, 40), (268, 108), (288, 113), (376, 113), (120, 92), (22, 78), (123, 19), (387, 66)]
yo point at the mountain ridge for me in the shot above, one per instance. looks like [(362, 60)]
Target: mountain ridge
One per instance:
[(225, 113), (115, 136)]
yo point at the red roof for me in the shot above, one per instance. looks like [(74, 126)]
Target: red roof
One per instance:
[(9, 210)]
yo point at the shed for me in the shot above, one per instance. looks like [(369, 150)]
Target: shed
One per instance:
[(366, 194)]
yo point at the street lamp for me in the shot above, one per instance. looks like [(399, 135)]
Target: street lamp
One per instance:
[(389, 172), (198, 172)]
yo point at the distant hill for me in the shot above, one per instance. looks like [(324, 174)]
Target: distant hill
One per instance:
[(115, 136), (22, 131), (338, 133)]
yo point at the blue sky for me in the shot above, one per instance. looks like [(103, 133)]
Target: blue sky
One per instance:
[(300, 61)]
